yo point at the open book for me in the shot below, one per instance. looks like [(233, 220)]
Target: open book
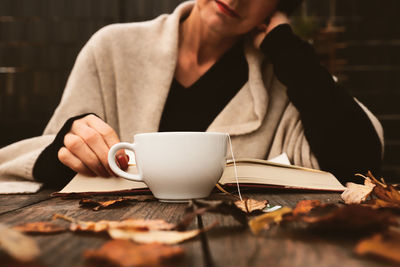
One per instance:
[(251, 172)]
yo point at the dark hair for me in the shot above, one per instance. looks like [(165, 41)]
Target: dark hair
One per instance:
[(288, 6)]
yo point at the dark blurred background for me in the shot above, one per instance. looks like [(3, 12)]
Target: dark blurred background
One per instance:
[(358, 40)]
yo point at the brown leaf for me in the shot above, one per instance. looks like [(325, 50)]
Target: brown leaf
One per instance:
[(355, 219), (128, 224), (385, 245), (250, 205), (125, 253), (357, 193), (305, 206), (40, 228), (18, 245), (388, 193), (266, 220), (104, 202), (156, 236), (104, 225), (379, 203)]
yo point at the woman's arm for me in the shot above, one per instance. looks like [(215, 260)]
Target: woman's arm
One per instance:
[(339, 132)]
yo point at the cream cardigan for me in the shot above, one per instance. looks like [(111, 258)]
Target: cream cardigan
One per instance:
[(123, 74)]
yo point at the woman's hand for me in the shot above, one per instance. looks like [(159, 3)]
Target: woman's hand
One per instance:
[(262, 30), (86, 147)]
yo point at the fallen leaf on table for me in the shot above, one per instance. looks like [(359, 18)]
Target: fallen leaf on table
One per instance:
[(382, 195), (127, 224), (357, 193), (18, 245), (103, 202), (266, 220), (40, 228), (385, 245), (305, 206), (147, 237), (125, 253), (250, 205), (354, 219), (157, 236), (388, 194), (379, 203)]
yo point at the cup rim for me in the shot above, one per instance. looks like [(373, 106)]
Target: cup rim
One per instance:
[(182, 133)]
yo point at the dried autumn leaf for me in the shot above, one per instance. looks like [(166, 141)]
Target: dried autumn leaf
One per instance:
[(385, 245), (250, 205), (40, 228), (104, 225), (125, 253), (18, 245), (305, 206), (128, 224), (104, 202), (388, 193), (357, 193), (379, 203), (156, 236), (354, 219), (266, 220)]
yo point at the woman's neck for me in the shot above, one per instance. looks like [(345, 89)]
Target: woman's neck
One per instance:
[(200, 43)]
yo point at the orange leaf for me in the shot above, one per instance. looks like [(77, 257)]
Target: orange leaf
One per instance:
[(266, 220), (125, 253), (388, 193), (350, 218), (40, 228), (385, 245), (304, 206), (104, 202), (128, 224), (157, 236)]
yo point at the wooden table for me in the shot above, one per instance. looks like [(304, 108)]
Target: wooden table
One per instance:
[(229, 244)]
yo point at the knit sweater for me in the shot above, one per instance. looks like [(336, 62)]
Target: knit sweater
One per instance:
[(123, 75)]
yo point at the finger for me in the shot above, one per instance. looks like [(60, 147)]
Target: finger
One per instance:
[(69, 160), (123, 161), (81, 150), (108, 133), (94, 141)]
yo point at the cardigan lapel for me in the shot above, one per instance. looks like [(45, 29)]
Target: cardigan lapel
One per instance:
[(246, 111), (153, 76)]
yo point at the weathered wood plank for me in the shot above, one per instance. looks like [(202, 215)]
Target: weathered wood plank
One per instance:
[(232, 245), (66, 249), (14, 202)]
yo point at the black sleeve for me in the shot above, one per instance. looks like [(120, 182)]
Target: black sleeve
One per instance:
[(48, 169), (339, 132)]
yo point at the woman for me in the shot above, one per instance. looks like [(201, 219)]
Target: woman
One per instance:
[(217, 65)]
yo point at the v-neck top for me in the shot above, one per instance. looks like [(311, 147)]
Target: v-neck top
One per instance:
[(194, 108)]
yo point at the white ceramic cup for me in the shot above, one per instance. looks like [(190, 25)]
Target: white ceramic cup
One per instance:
[(176, 166)]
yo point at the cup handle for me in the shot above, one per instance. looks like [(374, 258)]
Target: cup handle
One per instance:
[(114, 167)]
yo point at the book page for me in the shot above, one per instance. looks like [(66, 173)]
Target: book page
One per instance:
[(82, 184), (263, 173)]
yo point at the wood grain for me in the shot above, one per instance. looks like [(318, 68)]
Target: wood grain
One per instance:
[(231, 245), (66, 249), (13, 202)]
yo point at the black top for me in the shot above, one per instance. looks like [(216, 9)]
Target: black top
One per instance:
[(339, 132), (194, 108)]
